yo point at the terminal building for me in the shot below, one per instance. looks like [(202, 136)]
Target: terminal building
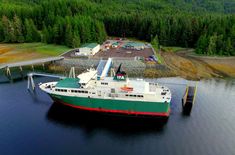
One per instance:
[(88, 49)]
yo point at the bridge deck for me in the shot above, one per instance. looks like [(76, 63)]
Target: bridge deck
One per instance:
[(31, 62), (45, 75)]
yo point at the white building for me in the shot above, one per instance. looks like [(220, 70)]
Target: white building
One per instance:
[(88, 49)]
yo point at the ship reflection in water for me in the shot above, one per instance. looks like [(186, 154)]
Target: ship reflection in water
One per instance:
[(92, 121)]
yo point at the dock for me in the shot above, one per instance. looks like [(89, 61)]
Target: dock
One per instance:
[(188, 99)]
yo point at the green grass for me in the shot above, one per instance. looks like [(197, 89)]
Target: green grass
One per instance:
[(44, 49), (172, 49), (159, 57)]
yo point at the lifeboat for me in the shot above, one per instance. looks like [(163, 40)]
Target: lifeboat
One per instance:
[(125, 88)]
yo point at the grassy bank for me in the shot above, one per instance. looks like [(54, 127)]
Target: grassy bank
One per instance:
[(28, 51), (172, 49), (158, 55)]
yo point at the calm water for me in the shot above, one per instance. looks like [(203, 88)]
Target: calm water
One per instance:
[(31, 124)]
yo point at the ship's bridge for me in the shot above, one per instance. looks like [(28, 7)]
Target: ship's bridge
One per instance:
[(87, 76)]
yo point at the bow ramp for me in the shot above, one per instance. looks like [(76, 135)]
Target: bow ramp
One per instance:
[(103, 68)]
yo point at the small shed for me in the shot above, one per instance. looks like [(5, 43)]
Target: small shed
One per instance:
[(88, 49), (134, 45)]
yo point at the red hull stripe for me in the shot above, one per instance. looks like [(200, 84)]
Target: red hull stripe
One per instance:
[(119, 111)]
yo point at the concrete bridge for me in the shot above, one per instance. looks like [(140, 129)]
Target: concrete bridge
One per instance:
[(28, 63), (31, 62)]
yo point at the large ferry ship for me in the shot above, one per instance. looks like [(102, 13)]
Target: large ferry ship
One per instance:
[(93, 91)]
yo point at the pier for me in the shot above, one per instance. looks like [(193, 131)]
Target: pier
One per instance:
[(28, 63)]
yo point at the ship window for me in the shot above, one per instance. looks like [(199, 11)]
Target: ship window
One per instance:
[(134, 95), (72, 91), (86, 92), (104, 83), (93, 93), (127, 95)]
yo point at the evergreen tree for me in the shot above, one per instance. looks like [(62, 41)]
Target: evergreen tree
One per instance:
[(56, 35), (220, 45), (1, 32), (28, 31), (155, 41), (36, 37), (212, 45), (202, 45), (12, 32), (45, 34), (229, 50), (76, 41), (6, 29), (68, 36), (18, 29), (76, 38)]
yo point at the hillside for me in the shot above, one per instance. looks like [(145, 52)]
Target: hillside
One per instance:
[(208, 26)]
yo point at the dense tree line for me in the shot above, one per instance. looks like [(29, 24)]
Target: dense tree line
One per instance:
[(206, 25)]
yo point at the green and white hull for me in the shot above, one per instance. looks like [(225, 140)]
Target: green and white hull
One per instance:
[(125, 107)]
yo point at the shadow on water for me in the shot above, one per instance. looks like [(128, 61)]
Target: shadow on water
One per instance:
[(90, 121)]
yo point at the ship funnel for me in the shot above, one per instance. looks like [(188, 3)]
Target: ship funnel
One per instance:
[(120, 75)]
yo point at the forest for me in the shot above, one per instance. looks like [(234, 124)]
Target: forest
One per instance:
[(208, 26)]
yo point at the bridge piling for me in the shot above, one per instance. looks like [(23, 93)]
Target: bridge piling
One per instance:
[(8, 72), (31, 82), (21, 72), (32, 68), (43, 66)]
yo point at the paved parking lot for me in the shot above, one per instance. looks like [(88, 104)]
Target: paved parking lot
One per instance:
[(122, 52)]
